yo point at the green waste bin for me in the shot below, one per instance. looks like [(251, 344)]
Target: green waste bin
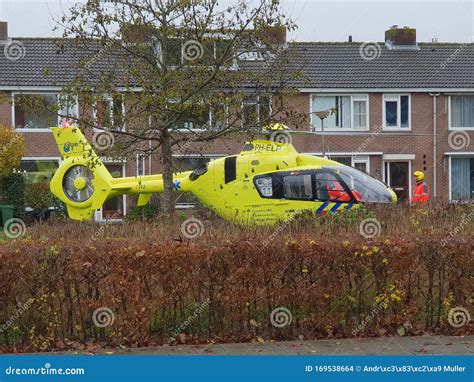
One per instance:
[(6, 212)]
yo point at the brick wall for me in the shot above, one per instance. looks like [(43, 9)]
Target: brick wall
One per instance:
[(418, 141)]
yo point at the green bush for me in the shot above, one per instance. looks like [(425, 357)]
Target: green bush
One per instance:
[(38, 196), (146, 212), (13, 192)]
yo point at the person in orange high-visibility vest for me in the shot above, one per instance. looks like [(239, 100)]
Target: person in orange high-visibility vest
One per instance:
[(421, 191)]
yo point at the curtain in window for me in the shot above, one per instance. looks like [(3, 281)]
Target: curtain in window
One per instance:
[(345, 112), (462, 111), (460, 178)]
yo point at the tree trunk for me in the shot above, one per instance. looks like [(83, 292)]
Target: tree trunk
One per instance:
[(167, 198)]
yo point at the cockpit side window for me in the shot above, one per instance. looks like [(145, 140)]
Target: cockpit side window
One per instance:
[(330, 188), (298, 186), (265, 186)]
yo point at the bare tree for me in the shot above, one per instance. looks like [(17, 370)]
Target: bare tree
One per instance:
[(186, 71)]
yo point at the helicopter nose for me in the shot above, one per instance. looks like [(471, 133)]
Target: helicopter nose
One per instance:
[(394, 195)]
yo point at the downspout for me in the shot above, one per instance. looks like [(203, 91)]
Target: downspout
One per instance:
[(435, 144)]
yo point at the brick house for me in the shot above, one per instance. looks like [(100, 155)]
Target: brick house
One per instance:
[(396, 106)]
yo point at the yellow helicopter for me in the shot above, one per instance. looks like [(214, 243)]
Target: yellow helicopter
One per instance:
[(266, 183)]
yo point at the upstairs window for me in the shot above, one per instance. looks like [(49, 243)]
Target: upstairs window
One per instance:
[(109, 112), (256, 111), (346, 112), (176, 52), (42, 110), (462, 112), (396, 111)]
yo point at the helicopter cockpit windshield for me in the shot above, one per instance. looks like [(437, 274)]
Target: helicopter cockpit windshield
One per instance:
[(363, 187)]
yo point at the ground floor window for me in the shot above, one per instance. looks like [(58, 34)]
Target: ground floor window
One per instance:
[(462, 178), (361, 163), (39, 170), (114, 207), (38, 173)]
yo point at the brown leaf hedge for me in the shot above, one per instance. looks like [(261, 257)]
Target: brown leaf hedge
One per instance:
[(224, 287)]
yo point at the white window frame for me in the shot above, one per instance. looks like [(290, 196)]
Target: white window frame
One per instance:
[(143, 159), (397, 98), (159, 52), (41, 129), (109, 99), (257, 104), (386, 178), (192, 130), (361, 159), (450, 127), (353, 97), (354, 159), (450, 176), (52, 159), (211, 119)]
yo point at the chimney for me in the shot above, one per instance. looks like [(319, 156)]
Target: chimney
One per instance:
[(136, 34), (401, 38), (350, 38), (3, 31), (273, 35)]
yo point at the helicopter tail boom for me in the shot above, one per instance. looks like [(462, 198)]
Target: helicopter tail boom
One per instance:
[(84, 184)]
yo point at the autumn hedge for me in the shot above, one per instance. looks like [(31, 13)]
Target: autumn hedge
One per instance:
[(227, 285)]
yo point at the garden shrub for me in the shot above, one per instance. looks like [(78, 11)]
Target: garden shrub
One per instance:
[(154, 281), (12, 190)]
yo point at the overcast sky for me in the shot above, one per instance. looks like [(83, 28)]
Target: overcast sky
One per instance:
[(449, 20)]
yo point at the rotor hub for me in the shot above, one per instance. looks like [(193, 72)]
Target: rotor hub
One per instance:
[(77, 183), (80, 183)]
